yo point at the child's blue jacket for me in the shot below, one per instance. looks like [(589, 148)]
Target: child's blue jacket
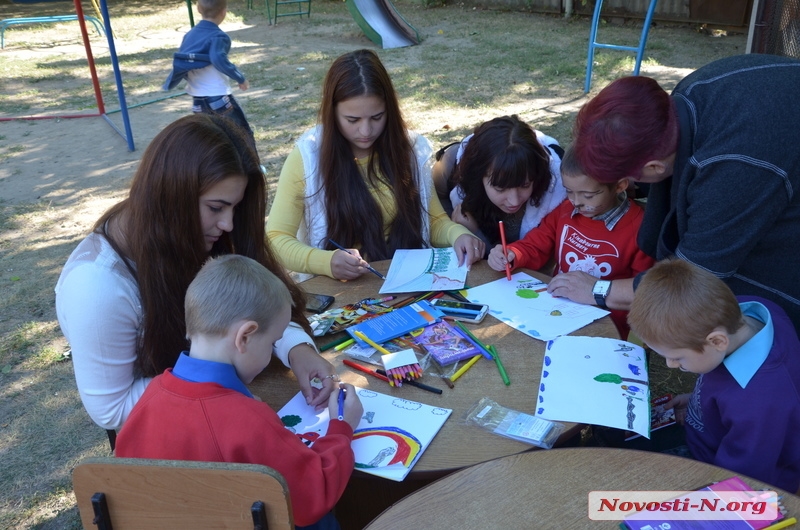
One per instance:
[(203, 45)]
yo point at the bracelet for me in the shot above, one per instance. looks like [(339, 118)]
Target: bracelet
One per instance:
[(309, 344)]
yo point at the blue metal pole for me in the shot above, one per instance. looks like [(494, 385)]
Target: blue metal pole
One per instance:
[(117, 76)]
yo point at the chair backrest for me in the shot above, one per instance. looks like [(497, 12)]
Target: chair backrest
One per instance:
[(171, 494)]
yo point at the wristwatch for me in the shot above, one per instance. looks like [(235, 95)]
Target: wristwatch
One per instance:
[(600, 292)]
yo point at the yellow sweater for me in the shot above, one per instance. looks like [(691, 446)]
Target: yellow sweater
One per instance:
[(286, 216)]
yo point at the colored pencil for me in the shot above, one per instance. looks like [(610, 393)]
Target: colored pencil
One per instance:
[(364, 369), (500, 367), (380, 300), (417, 384), (486, 353), (505, 249), (335, 343), (369, 267), (464, 368), (372, 343), (458, 296), (404, 302)]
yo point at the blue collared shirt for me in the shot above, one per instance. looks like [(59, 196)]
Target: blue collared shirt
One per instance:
[(748, 358), (201, 371)]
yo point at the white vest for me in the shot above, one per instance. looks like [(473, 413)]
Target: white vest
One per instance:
[(313, 229), (554, 195)]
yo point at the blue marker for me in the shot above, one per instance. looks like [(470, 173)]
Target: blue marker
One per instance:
[(342, 393)]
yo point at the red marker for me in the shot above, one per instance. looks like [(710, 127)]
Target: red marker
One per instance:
[(505, 249), (366, 370)]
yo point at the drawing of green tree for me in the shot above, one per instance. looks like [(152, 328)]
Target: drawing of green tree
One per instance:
[(616, 379)]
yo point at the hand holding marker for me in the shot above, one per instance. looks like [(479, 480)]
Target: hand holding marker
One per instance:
[(367, 265), (342, 396), (345, 405)]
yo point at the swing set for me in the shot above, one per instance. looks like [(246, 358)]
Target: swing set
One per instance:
[(101, 9)]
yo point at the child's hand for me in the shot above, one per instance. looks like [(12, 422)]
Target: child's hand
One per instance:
[(497, 260), (245, 85), (679, 403), (352, 411)]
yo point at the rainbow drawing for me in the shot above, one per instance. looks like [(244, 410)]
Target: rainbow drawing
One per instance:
[(372, 446)]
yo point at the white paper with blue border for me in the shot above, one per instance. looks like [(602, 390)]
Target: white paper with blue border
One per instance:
[(596, 381)]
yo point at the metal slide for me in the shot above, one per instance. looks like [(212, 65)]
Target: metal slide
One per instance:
[(382, 24)]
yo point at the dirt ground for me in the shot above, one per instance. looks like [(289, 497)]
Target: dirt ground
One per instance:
[(63, 161)]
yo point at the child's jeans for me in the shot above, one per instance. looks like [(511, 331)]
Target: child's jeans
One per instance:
[(224, 106)]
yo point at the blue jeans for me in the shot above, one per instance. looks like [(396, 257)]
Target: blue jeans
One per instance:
[(224, 106)]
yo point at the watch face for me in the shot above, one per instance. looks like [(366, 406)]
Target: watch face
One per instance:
[(601, 287)]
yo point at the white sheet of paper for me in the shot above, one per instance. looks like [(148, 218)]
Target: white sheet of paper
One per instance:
[(392, 434), (426, 269), (524, 304), (595, 380)]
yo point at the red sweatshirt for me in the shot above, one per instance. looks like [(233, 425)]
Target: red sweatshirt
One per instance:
[(583, 244), (181, 420)]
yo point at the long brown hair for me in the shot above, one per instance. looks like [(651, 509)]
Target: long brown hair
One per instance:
[(353, 215), (162, 229)]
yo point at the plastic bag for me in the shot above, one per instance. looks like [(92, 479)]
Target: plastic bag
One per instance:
[(513, 424)]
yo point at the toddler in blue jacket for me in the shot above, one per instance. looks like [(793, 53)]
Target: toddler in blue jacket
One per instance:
[(203, 61)]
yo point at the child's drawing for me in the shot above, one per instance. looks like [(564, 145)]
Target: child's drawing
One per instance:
[(524, 304), (427, 269), (601, 387), (390, 437), (384, 446)]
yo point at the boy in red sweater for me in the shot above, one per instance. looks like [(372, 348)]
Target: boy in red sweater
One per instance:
[(201, 409), (593, 231)]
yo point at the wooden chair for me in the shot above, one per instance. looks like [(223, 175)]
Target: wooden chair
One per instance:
[(124, 493)]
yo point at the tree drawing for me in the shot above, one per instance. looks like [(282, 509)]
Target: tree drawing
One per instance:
[(616, 379)]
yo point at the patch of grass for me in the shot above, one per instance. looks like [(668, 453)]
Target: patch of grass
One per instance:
[(30, 345)]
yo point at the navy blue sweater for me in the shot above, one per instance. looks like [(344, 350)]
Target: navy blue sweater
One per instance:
[(732, 204)]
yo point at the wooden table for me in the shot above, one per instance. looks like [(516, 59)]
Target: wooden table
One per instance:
[(549, 489), (457, 445)]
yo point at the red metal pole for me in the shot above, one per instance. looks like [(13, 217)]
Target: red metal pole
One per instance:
[(98, 94)]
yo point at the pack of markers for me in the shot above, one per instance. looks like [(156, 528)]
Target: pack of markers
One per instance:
[(340, 318)]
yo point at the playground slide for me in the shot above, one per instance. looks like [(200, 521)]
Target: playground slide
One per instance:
[(382, 24)]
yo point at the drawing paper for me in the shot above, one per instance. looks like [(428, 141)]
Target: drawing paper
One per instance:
[(595, 380), (392, 435), (524, 304), (426, 269)]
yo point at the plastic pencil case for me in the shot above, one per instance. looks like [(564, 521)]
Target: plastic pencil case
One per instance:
[(513, 424)]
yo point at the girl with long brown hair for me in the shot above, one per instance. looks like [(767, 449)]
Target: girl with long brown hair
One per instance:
[(359, 178), (198, 192)]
